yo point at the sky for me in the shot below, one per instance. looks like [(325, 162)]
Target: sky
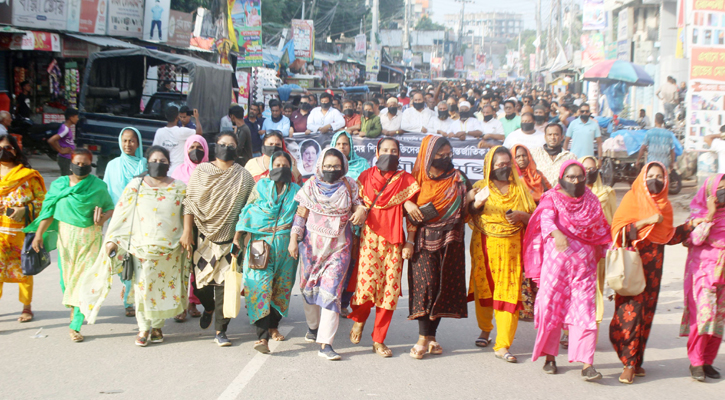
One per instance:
[(525, 7)]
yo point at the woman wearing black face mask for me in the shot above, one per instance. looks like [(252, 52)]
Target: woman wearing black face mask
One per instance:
[(75, 208), (387, 192), (437, 270), (567, 236), (645, 215), (328, 205), (268, 216), (160, 268), (216, 193), (272, 142), (498, 225)]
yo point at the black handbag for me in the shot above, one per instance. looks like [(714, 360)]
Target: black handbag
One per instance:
[(429, 212), (32, 262), (128, 266)]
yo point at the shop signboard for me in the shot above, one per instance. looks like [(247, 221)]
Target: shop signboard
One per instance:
[(594, 15), (180, 29), (6, 12), (624, 50), (360, 43), (73, 48), (372, 61), (467, 157), (156, 20), (459, 63), (245, 23), (41, 41), (44, 14), (592, 48), (125, 18), (303, 33), (87, 16)]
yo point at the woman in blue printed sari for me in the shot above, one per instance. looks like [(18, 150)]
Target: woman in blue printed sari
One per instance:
[(268, 216)]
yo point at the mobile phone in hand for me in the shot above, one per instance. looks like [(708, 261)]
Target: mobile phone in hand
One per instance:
[(510, 211), (112, 254), (9, 211)]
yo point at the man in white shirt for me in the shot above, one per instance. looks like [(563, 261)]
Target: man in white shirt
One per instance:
[(717, 144), (173, 137), (5, 120), (527, 135), (325, 119), (392, 118), (466, 124), (277, 122), (491, 128), (443, 124), (417, 118)]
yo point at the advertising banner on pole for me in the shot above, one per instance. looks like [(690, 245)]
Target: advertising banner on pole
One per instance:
[(592, 47), (245, 27), (125, 18), (156, 20), (303, 33), (594, 15), (459, 63), (360, 43)]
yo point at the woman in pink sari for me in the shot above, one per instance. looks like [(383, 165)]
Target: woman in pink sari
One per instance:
[(565, 239), (197, 152), (703, 320)]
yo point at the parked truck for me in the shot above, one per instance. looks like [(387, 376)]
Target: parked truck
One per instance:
[(112, 93)]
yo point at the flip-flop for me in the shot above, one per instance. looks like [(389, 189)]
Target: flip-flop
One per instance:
[(508, 357), (356, 334), (26, 316), (435, 348), (417, 354), (181, 317), (261, 347), (382, 350), (483, 342)]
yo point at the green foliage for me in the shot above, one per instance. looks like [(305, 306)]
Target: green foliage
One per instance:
[(190, 5), (426, 24)]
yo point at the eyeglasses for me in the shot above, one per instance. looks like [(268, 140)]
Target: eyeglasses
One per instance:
[(574, 178)]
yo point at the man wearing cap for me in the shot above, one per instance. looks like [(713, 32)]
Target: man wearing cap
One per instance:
[(467, 124), (391, 119), (443, 124)]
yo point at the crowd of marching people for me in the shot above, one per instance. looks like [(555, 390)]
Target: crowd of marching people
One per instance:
[(186, 230)]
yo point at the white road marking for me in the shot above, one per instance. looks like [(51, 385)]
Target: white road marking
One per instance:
[(245, 376)]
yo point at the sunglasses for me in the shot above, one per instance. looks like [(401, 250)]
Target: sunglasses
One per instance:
[(8, 148)]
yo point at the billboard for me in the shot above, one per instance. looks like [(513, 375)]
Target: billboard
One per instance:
[(156, 20), (180, 29), (41, 14), (125, 18), (87, 16), (303, 33), (245, 27), (594, 16)]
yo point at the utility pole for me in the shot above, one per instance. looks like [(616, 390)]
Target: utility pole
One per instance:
[(558, 20), (406, 28), (460, 30), (303, 9), (374, 31), (538, 33)]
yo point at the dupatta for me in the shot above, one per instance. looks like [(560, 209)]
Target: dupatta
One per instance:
[(356, 164), (442, 191), (606, 194), (639, 204), (532, 177), (183, 171), (492, 221), (123, 168), (580, 219), (17, 177)]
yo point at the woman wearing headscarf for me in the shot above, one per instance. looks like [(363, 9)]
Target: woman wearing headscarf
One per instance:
[(329, 203), (498, 225), (268, 216), (356, 165), (645, 215), (147, 223), (437, 270), (118, 174), (272, 142), (537, 184), (215, 195), (383, 246), (197, 152), (703, 320), (22, 191), (566, 238), (74, 210)]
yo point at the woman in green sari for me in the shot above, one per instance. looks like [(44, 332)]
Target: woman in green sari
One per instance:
[(75, 208), (268, 290)]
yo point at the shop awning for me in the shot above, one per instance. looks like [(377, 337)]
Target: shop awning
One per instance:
[(333, 58), (392, 69), (10, 29), (104, 41)]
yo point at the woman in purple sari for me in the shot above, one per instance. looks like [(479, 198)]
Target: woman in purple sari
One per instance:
[(703, 320)]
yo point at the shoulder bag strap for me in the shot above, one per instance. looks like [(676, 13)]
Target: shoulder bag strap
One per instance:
[(381, 191), (133, 213)]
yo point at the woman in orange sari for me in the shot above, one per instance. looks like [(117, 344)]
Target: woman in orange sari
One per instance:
[(22, 191), (537, 184), (645, 217), (496, 247), (437, 270)]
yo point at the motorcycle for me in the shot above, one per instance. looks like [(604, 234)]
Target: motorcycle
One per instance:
[(35, 137)]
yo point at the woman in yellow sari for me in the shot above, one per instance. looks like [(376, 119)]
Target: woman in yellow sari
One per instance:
[(502, 210)]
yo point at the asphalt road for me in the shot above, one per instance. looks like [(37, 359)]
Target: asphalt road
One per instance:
[(188, 365)]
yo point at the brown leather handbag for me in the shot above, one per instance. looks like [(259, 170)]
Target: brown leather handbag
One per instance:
[(259, 249)]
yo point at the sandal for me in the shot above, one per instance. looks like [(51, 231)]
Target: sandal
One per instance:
[(508, 357), (130, 312), (382, 350), (76, 336), (26, 315), (483, 342), (181, 317), (274, 333), (156, 336), (356, 332), (435, 348), (193, 311), (262, 346), (417, 352), (623, 378), (640, 372), (142, 340)]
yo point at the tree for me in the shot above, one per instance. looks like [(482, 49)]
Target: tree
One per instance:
[(426, 24)]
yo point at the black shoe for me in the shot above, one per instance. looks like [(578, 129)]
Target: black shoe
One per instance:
[(710, 372), (311, 335), (591, 374), (550, 367), (698, 373), (205, 319)]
